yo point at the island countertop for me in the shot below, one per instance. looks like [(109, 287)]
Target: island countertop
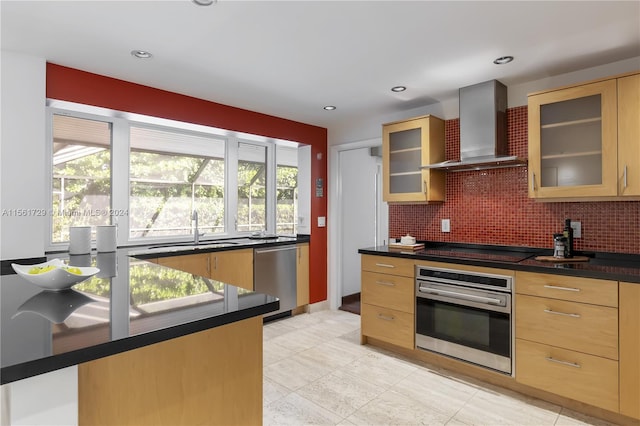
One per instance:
[(129, 304)]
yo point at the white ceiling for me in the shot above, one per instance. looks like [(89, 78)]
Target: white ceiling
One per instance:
[(291, 58)]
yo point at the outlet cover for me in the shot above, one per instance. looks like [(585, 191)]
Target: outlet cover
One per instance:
[(446, 225), (577, 229)]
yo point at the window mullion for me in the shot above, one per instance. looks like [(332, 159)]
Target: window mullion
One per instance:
[(231, 186), (120, 179), (272, 193)]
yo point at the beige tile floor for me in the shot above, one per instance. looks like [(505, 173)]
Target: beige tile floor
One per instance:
[(317, 373)]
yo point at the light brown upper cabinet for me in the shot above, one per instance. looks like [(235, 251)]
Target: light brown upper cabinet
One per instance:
[(629, 135), (583, 140), (407, 145)]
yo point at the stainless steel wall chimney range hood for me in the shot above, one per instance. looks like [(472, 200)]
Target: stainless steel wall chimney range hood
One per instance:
[(483, 130)]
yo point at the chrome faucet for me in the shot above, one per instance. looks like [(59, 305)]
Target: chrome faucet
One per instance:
[(196, 232)]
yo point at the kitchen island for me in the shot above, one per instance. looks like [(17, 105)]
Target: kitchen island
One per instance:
[(153, 345)]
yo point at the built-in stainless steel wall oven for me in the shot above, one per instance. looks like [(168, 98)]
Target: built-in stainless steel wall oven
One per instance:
[(465, 315)]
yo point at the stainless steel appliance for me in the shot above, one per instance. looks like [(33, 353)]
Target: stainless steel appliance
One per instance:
[(465, 315), (274, 272), (483, 130)]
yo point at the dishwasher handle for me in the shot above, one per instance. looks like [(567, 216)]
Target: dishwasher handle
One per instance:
[(270, 250)]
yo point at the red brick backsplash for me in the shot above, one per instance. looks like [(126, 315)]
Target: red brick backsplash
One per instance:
[(492, 207)]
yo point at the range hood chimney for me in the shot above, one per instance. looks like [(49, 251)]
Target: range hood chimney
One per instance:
[(483, 130)]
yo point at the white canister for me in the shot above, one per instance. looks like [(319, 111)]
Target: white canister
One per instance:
[(106, 238), (79, 240), (407, 240)]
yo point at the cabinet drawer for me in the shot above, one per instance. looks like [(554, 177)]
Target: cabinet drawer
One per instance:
[(576, 289), (392, 326), (388, 265), (574, 375), (388, 291), (586, 328)]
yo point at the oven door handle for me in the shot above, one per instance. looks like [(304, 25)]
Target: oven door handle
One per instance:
[(463, 296)]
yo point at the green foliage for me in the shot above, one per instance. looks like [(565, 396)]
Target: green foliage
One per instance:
[(164, 190)]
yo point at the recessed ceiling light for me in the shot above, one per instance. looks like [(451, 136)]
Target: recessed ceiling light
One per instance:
[(204, 2), (398, 88), (142, 54), (503, 60), (329, 108)]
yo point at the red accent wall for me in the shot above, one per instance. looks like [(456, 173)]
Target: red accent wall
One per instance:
[(492, 207), (74, 85)]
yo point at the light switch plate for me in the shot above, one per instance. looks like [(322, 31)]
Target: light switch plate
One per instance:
[(446, 225)]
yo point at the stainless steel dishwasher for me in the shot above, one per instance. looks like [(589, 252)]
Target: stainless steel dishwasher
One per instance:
[(274, 273)]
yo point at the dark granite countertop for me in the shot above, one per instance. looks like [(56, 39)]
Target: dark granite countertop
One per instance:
[(131, 303), (609, 266)]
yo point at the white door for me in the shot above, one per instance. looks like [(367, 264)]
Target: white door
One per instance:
[(364, 217)]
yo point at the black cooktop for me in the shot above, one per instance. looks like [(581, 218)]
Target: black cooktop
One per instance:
[(476, 254)]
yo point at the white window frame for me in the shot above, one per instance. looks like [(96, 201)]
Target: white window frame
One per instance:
[(120, 124)]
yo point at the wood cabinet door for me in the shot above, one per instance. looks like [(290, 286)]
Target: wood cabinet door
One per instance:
[(576, 375), (302, 272), (197, 264), (389, 291), (629, 135), (389, 325), (233, 267), (630, 349), (388, 265), (580, 327), (213, 377), (407, 145), (573, 142), (564, 287)]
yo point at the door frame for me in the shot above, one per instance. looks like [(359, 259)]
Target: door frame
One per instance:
[(334, 290)]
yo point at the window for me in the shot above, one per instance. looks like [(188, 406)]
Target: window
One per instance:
[(171, 175), (81, 181), (148, 175), (286, 190), (252, 190)]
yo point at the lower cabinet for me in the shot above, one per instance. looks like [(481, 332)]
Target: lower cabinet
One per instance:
[(578, 338), (302, 274), (392, 326), (630, 349), (213, 377), (197, 264), (567, 337), (388, 300), (233, 267), (576, 375)]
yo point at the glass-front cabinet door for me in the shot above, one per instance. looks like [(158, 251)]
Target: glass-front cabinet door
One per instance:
[(407, 145), (573, 142)]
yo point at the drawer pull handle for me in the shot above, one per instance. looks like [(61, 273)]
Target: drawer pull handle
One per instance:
[(387, 283), (549, 311), (385, 265), (386, 317), (555, 287), (533, 181), (567, 363)]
